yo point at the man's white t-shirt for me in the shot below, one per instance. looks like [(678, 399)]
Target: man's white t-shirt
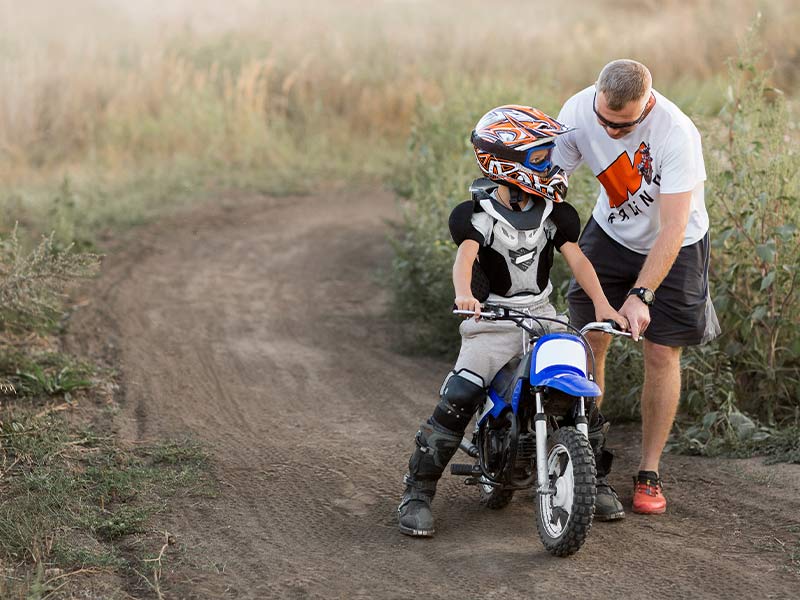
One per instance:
[(662, 155)]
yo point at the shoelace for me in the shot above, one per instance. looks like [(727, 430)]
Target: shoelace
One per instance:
[(649, 487)]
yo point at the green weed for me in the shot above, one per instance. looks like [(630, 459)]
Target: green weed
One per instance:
[(39, 382), (755, 199), (624, 369), (124, 521), (33, 283), (40, 374), (68, 555)]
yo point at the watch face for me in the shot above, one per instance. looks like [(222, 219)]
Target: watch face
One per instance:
[(645, 295)]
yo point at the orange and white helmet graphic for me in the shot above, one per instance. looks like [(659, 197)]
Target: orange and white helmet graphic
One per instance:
[(515, 144)]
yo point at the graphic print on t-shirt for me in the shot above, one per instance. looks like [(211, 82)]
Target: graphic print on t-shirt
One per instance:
[(624, 177)]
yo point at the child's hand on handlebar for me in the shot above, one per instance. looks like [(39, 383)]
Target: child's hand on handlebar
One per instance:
[(469, 303)]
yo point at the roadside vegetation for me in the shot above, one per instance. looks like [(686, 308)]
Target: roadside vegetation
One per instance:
[(746, 387), (114, 114), (75, 502), (78, 507)]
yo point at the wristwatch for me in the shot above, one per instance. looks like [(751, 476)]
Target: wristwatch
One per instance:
[(644, 294)]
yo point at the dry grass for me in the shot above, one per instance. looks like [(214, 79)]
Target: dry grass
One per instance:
[(113, 92)]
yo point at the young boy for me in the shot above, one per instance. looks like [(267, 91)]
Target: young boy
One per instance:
[(505, 236)]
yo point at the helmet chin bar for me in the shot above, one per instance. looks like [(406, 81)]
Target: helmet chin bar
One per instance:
[(551, 185)]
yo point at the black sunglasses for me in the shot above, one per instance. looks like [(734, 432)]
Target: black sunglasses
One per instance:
[(611, 124)]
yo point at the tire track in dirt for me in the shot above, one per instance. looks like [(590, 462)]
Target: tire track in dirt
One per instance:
[(257, 327)]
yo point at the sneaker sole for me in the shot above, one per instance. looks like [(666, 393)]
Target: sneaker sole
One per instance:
[(657, 511)]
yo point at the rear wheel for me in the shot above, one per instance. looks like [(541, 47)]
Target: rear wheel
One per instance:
[(564, 518), (493, 438)]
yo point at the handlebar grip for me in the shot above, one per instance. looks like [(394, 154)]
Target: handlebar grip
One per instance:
[(471, 313), (613, 324)]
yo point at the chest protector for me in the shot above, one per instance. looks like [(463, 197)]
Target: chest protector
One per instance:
[(517, 253)]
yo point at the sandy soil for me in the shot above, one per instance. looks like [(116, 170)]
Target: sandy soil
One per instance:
[(256, 326)]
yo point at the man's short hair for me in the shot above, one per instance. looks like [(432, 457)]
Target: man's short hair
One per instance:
[(623, 81)]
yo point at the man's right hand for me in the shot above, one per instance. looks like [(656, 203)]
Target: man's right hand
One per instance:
[(638, 315), (469, 303)]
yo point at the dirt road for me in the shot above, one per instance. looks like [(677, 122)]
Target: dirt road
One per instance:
[(256, 326)]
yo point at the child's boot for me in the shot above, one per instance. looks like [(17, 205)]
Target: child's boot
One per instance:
[(435, 447)]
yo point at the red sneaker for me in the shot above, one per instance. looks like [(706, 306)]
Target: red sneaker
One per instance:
[(648, 497)]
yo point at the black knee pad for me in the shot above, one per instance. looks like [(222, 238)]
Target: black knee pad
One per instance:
[(459, 397)]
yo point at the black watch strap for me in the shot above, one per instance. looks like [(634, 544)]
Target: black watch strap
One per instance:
[(644, 294)]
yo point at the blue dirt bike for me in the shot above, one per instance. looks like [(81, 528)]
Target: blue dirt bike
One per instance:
[(532, 430)]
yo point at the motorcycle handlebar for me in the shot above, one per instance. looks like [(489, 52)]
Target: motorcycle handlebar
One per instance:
[(491, 315), (608, 326)]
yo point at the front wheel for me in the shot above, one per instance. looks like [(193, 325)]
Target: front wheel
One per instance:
[(564, 518)]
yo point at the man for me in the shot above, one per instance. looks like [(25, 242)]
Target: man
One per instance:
[(648, 241)]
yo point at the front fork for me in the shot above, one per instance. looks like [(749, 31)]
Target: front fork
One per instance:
[(540, 427)]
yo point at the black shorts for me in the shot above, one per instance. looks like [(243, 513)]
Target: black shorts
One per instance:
[(682, 314)]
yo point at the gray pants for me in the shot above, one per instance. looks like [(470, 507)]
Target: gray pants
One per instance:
[(486, 346)]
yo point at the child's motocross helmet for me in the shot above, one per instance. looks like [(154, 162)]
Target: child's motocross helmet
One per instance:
[(514, 145)]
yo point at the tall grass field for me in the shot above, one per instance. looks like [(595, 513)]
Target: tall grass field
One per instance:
[(111, 109)]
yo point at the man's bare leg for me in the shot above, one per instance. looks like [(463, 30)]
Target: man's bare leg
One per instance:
[(660, 395), (600, 343)]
